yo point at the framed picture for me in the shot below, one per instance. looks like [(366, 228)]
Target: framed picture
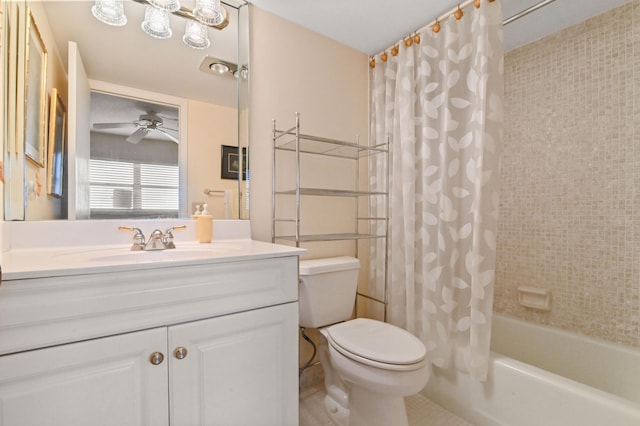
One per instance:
[(231, 163), (57, 136), (36, 96)]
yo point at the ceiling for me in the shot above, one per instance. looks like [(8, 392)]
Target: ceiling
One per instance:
[(128, 57), (107, 108), (371, 26)]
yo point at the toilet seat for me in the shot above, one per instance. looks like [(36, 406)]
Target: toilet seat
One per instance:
[(377, 344)]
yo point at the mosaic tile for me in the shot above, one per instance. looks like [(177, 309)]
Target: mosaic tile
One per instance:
[(570, 202)]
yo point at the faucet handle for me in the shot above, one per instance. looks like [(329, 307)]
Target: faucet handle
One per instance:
[(138, 237), (167, 238)]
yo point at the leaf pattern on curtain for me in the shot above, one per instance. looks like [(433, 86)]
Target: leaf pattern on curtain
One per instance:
[(440, 102)]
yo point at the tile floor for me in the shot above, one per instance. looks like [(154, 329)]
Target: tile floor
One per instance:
[(420, 411)]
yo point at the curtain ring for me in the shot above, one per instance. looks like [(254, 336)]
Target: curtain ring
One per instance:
[(436, 27), (416, 38), (384, 56), (394, 50), (408, 41), (372, 63), (476, 3), (458, 14)]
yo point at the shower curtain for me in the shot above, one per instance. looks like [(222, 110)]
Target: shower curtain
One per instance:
[(440, 103)]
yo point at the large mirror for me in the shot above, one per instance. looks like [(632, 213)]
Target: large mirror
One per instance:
[(134, 104)]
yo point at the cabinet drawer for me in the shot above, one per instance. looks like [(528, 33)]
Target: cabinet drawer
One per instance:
[(48, 311)]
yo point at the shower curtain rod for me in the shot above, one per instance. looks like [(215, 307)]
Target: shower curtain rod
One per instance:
[(527, 11), (507, 21)]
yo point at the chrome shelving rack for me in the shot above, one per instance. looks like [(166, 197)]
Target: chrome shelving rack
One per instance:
[(304, 144)]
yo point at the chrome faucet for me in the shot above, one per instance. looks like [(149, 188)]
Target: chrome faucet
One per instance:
[(155, 241), (137, 243), (167, 237), (158, 240)]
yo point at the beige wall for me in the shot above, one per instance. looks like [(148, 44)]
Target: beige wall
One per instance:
[(296, 70), (209, 127), (570, 204)]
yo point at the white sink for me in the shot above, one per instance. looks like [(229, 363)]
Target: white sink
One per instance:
[(155, 255), (188, 251)]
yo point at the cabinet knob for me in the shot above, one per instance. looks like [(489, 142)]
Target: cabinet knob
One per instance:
[(180, 352), (156, 358)]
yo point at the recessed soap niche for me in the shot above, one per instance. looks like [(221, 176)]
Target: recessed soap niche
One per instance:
[(534, 297)]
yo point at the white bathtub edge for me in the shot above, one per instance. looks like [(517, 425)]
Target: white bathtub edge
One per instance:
[(524, 395)]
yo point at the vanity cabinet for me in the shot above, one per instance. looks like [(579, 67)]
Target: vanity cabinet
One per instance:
[(234, 369), (211, 344), (106, 381)]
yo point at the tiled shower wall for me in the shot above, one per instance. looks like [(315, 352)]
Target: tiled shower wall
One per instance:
[(570, 203)]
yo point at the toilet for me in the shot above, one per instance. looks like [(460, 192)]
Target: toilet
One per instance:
[(369, 366)]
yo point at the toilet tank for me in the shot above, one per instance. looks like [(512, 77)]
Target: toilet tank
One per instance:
[(327, 290)]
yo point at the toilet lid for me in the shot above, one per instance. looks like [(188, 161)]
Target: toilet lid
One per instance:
[(377, 341)]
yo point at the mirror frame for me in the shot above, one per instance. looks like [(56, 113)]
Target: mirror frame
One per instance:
[(57, 136), (35, 115)]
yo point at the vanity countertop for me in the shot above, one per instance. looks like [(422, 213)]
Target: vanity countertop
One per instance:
[(76, 260)]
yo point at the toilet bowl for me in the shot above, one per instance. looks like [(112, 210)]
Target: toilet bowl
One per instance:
[(369, 365), (379, 364)]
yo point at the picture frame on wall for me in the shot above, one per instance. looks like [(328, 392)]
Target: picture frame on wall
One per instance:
[(35, 122), (230, 162), (57, 139)]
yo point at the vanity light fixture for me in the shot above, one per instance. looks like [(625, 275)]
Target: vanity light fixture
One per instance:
[(206, 14)]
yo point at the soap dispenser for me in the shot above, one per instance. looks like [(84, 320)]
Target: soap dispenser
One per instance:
[(204, 225)]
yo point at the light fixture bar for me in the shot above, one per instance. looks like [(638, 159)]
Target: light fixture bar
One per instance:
[(185, 12)]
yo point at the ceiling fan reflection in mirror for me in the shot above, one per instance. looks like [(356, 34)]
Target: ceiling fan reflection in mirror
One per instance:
[(150, 122)]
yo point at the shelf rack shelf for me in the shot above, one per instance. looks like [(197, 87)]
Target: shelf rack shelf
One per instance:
[(319, 192), (293, 141), (328, 237)]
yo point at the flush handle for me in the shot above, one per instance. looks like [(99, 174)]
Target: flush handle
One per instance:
[(156, 358), (181, 352)]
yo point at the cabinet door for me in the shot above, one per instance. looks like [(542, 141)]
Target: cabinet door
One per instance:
[(107, 381), (239, 369)]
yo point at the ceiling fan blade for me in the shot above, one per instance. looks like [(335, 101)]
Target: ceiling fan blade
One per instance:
[(169, 135), (138, 135), (100, 126)]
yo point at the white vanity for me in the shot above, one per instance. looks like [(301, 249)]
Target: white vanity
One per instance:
[(201, 334)]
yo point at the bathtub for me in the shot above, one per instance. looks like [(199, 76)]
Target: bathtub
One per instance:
[(543, 376)]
